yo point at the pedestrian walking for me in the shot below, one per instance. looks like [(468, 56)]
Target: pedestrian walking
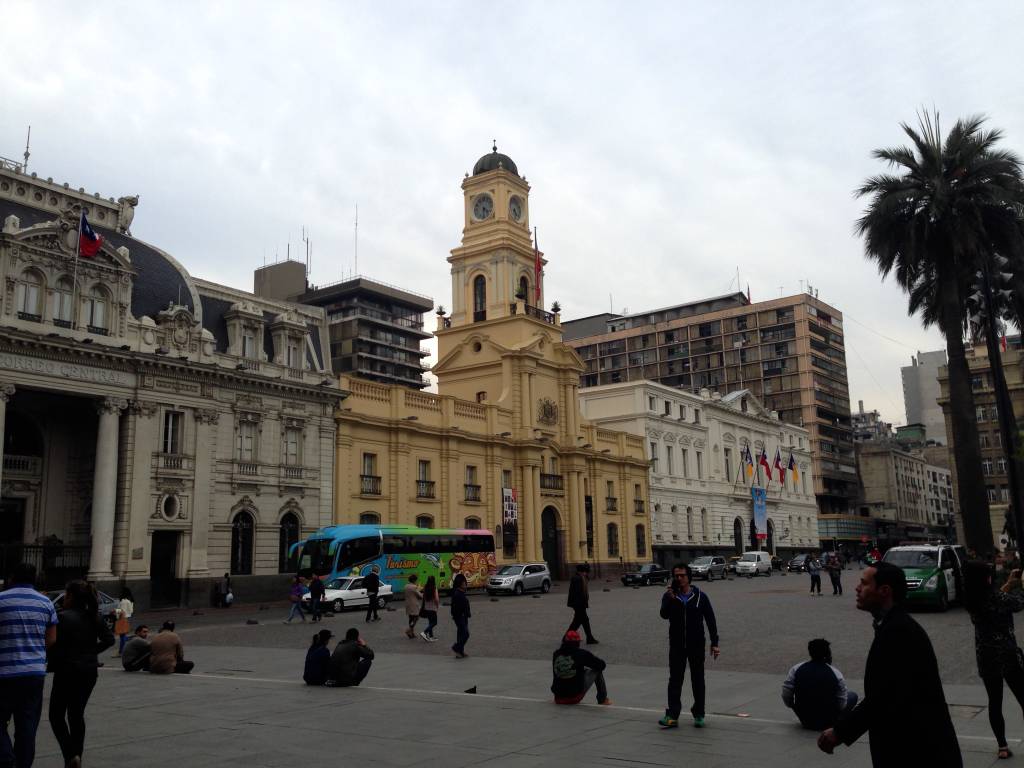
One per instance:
[(995, 643), (835, 573), (226, 596), (687, 610), (413, 605), (431, 605), (904, 708), (460, 615), (122, 624), (575, 671), (372, 584), (814, 568), (579, 601), (318, 659), (295, 596), (28, 627), (816, 690), (81, 636), (316, 596)]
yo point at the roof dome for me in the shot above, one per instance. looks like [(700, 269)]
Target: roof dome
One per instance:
[(492, 161)]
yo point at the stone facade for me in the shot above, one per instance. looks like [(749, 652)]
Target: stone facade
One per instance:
[(700, 492), (160, 430)]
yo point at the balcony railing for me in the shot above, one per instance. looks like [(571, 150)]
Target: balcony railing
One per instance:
[(56, 564), (248, 468), (611, 503), (97, 330), (551, 482), (425, 489), (293, 473), (369, 485), (536, 312), (61, 323), (472, 492), (638, 506), (30, 316), (30, 466)]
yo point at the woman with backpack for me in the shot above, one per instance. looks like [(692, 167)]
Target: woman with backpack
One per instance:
[(81, 636)]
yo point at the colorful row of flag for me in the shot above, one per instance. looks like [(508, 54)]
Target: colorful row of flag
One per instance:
[(747, 462)]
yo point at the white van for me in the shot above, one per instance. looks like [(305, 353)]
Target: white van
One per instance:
[(751, 564)]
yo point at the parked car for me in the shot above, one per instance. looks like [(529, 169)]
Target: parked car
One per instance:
[(107, 605), (645, 575), (777, 563), (798, 564), (730, 565), (708, 567), (751, 564), (934, 573), (517, 578), (348, 592)]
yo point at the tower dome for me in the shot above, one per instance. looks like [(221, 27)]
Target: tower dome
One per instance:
[(494, 160)]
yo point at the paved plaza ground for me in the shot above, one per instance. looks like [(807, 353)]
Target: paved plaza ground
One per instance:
[(246, 704)]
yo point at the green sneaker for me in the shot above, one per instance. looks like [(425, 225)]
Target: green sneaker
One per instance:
[(668, 722), (698, 722)]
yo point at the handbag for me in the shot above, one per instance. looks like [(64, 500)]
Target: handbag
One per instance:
[(121, 626)]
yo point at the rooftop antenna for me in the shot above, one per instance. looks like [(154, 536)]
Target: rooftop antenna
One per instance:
[(355, 247), (27, 153), (305, 239)]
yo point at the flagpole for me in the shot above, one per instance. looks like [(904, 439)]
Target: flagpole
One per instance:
[(74, 283)]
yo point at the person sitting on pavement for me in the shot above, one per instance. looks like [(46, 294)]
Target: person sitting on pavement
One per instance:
[(318, 659), (816, 691), (575, 671), (351, 661), (166, 654), (135, 656)]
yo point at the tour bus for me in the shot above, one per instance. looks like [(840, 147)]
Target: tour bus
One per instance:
[(395, 552)]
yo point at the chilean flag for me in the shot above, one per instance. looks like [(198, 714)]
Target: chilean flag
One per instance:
[(88, 241), (537, 267), (778, 466), (763, 461)]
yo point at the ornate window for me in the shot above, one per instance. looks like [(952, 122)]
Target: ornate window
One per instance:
[(29, 295), (242, 539), (293, 446), (641, 542), (288, 535), (479, 298), (473, 523), (97, 308), (62, 302), (424, 521), (613, 540), (369, 518), (524, 289), (689, 523)]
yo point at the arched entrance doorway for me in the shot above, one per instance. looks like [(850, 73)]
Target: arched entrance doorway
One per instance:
[(737, 535), (549, 543)]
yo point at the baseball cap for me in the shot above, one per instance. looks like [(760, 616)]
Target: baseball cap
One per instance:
[(572, 636)]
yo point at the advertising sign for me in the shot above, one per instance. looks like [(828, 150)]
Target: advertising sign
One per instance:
[(760, 511), (509, 517)]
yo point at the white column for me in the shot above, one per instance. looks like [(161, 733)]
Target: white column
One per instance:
[(6, 393), (104, 488), (206, 441)]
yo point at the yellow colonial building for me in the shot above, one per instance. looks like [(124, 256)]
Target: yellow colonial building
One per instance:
[(503, 445)]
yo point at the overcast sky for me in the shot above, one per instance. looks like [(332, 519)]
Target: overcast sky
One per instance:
[(667, 144)]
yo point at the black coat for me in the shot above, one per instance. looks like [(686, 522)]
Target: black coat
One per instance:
[(578, 600), (686, 620), (904, 708)]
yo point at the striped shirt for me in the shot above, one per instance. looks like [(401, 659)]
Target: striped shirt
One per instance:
[(25, 616)]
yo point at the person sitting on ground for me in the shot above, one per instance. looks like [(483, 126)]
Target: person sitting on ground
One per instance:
[(816, 690), (166, 652), (135, 656), (318, 659), (575, 671), (351, 660)]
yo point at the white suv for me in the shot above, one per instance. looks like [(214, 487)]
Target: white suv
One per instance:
[(753, 563), (520, 577)]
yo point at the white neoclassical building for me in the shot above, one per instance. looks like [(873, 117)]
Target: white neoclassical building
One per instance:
[(699, 488), (158, 430)]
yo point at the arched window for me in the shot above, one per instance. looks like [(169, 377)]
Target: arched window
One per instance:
[(524, 289), (30, 295), (473, 523), (62, 302), (96, 309), (242, 530), (369, 518), (479, 298), (424, 521), (689, 523), (641, 542), (704, 532), (288, 535), (613, 540)]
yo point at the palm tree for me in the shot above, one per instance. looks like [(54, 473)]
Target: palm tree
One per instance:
[(951, 205)]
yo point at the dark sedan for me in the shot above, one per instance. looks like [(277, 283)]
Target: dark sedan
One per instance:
[(798, 564), (646, 575)]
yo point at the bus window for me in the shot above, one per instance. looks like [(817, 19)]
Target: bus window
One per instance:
[(318, 555), (356, 551)]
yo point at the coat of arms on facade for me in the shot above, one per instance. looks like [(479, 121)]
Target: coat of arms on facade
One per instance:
[(547, 411)]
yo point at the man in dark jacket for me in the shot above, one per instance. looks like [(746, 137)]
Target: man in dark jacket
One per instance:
[(316, 595), (460, 615), (816, 690), (687, 610), (371, 582), (579, 601), (575, 671), (351, 660), (904, 708)]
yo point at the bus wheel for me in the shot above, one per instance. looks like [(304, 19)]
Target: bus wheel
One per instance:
[(338, 605)]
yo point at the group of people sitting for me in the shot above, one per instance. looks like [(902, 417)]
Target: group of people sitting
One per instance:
[(348, 665), (162, 654)]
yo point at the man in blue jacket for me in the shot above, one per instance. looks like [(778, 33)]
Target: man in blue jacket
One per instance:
[(687, 610)]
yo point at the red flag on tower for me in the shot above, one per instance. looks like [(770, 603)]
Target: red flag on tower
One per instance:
[(88, 241), (536, 267), (777, 464), (763, 461)]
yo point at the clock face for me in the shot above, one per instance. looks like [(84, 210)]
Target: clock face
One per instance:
[(515, 209), (483, 206)]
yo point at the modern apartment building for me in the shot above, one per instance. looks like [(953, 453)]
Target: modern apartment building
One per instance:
[(787, 352), (921, 393), (375, 328)]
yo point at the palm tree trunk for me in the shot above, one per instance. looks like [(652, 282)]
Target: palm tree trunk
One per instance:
[(967, 454)]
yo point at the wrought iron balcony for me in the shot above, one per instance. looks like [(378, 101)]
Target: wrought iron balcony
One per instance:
[(472, 492), (551, 482), (369, 485), (425, 489), (611, 503), (638, 506)]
